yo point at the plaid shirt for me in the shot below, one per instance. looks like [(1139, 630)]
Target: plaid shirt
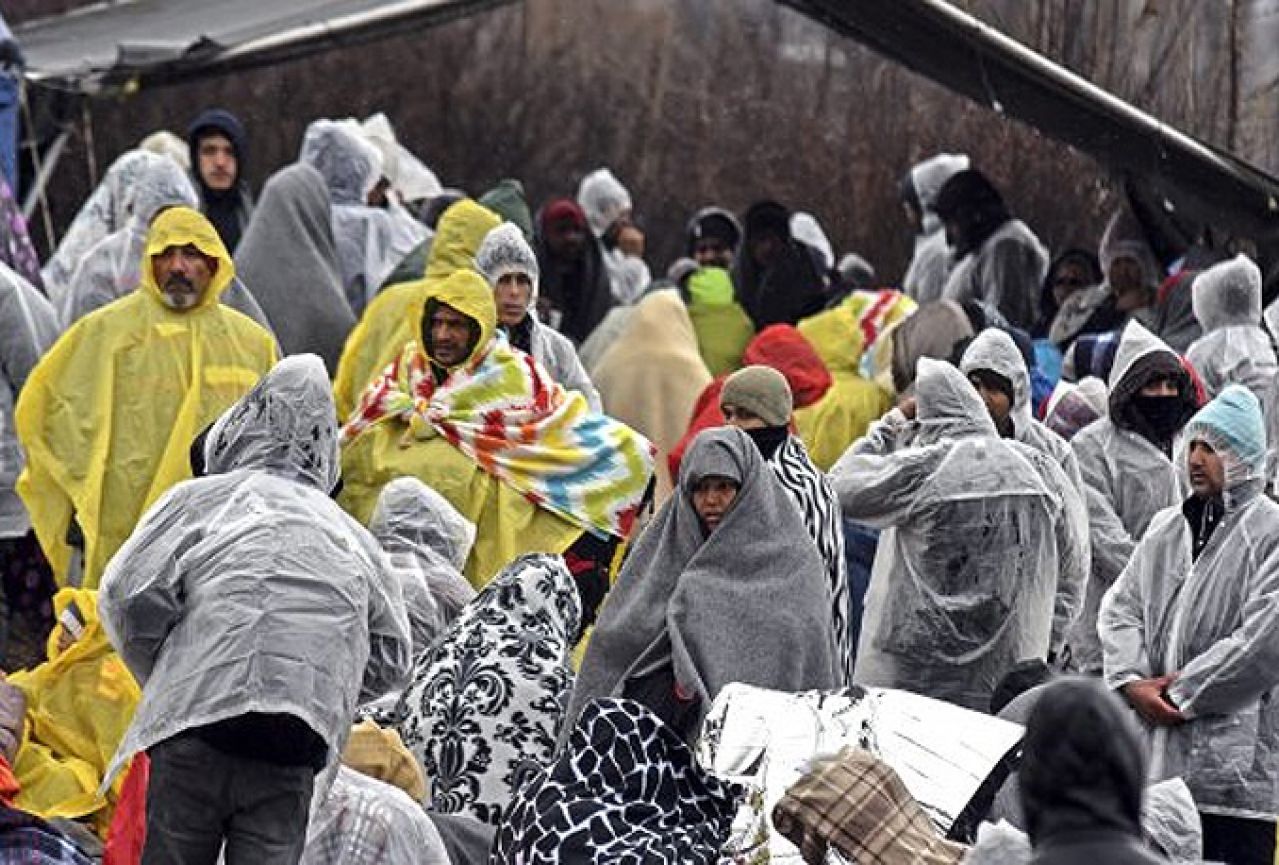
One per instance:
[(857, 804)]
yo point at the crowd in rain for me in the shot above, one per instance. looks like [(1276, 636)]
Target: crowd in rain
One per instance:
[(360, 518)]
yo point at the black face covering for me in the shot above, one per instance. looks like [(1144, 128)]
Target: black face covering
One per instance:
[(768, 439), (1164, 414)]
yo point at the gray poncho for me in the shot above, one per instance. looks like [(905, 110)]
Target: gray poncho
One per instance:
[(747, 603)]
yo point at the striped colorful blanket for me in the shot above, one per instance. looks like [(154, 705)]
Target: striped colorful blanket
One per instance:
[(505, 412)]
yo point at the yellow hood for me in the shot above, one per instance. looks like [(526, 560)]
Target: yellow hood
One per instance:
[(468, 293), (182, 226), (461, 230)]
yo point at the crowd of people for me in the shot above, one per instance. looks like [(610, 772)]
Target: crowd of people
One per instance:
[(368, 520)]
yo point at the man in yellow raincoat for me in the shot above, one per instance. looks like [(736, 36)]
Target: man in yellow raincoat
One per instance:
[(389, 321), (108, 416), (487, 427)]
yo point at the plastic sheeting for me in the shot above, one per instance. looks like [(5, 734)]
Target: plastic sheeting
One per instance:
[(206, 632), (982, 565), (427, 541), (28, 327), (1005, 272), (1234, 349), (768, 740), (371, 241)]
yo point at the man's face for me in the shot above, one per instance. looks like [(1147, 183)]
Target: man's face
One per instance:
[(565, 238), (1207, 473), (183, 274), (377, 196), (954, 233), (713, 252), (997, 402), (513, 292), (713, 498), (450, 336), (741, 418), (216, 161)]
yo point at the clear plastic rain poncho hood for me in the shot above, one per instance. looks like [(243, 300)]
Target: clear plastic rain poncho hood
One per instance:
[(994, 350), (427, 541), (28, 327), (371, 241), (929, 266), (1234, 348), (1232, 425), (108, 416), (1127, 481), (604, 199), (1214, 621), (111, 268), (805, 228), (105, 211), (408, 175), (983, 560), (206, 630)]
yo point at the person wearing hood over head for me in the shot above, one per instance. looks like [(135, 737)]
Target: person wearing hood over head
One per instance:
[(695, 606), (387, 324), (256, 615), (427, 542), (981, 561), (930, 264), (1190, 631), (507, 200), (778, 278), (1125, 459), (219, 151), (652, 374), (996, 368), (576, 291), (1071, 273), (1082, 777), (410, 181), (110, 269), (1234, 348), (757, 400), (714, 236), (996, 258), (607, 205), (370, 240), (1072, 407), (107, 416), (507, 261), (933, 331), (724, 330), (28, 327), (290, 258), (805, 228), (487, 427)]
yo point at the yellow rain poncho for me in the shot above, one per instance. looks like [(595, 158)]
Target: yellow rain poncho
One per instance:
[(79, 705), (840, 336), (108, 415), (525, 461), (387, 324)]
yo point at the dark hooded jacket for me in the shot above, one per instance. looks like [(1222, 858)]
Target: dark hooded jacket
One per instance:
[(789, 289), (579, 289), (1082, 776), (229, 210)]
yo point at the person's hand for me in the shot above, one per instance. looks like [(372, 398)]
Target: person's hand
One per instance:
[(1146, 696), (909, 407)]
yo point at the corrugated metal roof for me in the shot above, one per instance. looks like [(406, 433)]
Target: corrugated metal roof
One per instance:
[(114, 42)]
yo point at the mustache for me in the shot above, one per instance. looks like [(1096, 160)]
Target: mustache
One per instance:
[(177, 280)]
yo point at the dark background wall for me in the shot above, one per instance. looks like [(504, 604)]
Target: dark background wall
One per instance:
[(693, 102)]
